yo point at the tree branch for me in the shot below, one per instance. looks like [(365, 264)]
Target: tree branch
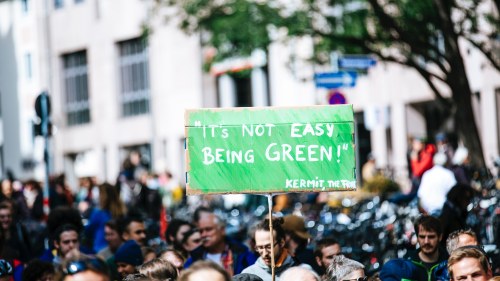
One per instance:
[(424, 73), (487, 53)]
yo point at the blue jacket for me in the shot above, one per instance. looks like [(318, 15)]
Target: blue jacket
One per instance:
[(242, 257), (95, 228)]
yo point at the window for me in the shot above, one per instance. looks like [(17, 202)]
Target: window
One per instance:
[(28, 66), (134, 77), (76, 88)]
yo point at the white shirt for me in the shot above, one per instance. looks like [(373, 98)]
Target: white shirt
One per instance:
[(435, 184), (215, 258)]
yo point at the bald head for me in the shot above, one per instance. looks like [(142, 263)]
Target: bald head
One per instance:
[(298, 273)]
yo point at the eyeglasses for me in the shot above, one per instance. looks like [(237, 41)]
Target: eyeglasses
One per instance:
[(357, 279), (78, 266), (5, 268), (265, 247)]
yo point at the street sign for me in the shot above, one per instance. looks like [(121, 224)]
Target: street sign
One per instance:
[(334, 80), (357, 62), (270, 150), (336, 97)]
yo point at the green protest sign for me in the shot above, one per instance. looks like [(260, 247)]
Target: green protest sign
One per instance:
[(270, 150)]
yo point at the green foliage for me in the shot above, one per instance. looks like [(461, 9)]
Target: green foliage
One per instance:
[(234, 28), (381, 185)]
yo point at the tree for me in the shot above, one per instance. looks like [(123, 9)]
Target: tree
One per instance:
[(424, 35)]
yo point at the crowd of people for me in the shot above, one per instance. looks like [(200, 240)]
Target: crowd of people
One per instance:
[(128, 231)]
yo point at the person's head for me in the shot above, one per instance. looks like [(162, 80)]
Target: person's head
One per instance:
[(7, 188), (66, 240), (298, 273), (176, 230), (5, 215), (469, 263), (296, 233), (343, 268), (63, 215), (212, 231), (326, 249), (429, 234), (191, 240), (263, 243), (137, 277), (460, 238), (32, 185), (132, 228), (109, 199), (203, 271), (82, 268), (246, 277), (399, 269), (418, 143), (148, 253), (6, 270), (112, 236), (461, 195), (461, 156), (159, 269), (174, 258), (38, 270), (128, 257), (439, 159)]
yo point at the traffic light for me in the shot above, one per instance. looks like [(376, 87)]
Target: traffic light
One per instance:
[(42, 108)]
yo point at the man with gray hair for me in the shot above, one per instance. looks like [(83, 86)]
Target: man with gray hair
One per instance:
[(299, 273), (343, 268), (231, 255), (456, 239), (460, 238)]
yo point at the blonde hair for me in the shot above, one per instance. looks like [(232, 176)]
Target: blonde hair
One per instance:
[(158, 269), (468, 252)]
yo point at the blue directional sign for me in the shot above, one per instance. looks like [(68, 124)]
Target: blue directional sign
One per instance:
[(357, 62), (334, 80)]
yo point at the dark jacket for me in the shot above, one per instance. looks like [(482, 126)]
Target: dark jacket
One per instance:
[(242, 257), (441, 272), (306, 256), (427, 272)]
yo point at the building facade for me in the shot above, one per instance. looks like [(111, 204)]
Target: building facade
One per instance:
[(114, 90)]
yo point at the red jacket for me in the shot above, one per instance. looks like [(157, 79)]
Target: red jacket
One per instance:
[(423, 161)]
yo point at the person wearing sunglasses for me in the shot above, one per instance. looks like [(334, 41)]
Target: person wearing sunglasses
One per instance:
[(263, 245), (345, 269)]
